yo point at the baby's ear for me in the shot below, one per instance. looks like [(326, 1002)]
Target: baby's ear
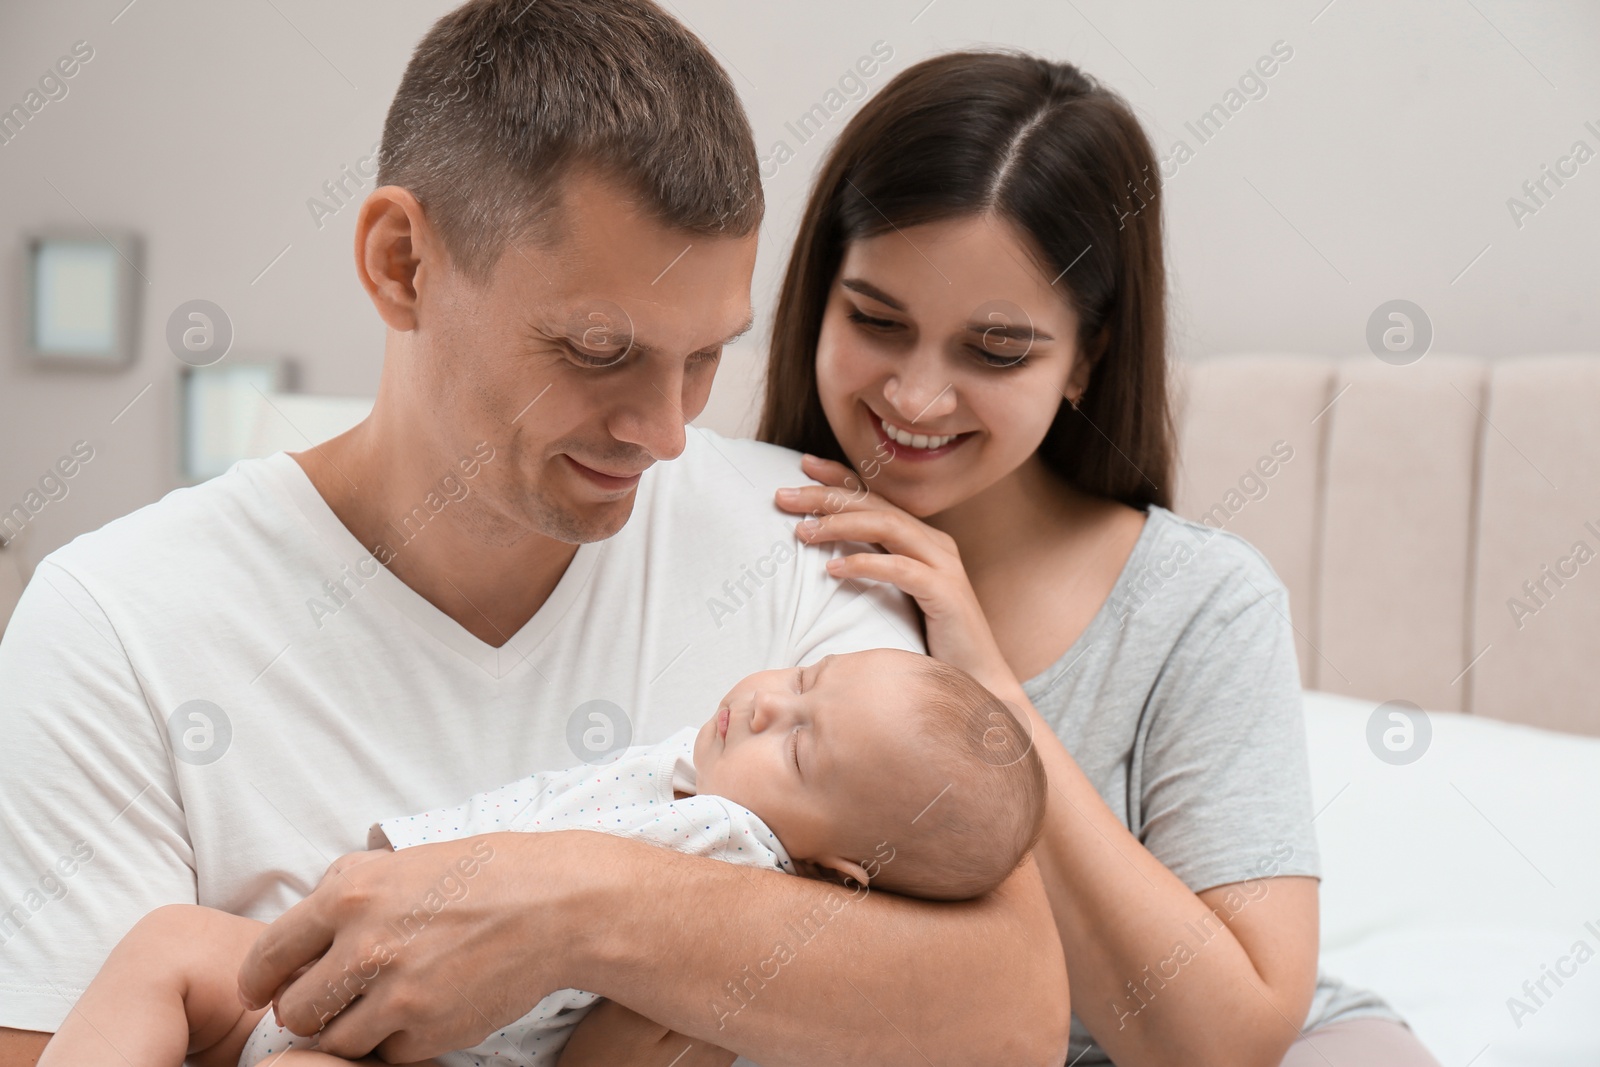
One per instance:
[(839, 873), (846, 871)]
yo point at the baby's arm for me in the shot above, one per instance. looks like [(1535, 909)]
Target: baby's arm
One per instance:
[(168, 990), (169, 994)]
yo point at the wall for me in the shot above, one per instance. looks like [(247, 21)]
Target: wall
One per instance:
[(1377, 165)]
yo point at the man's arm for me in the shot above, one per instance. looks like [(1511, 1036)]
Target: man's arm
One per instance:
[(615, 1036), (787, 970), (781, 969), (21, 1048), (92, 830)]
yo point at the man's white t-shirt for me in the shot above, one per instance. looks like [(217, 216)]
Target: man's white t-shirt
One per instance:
[(211, 699)]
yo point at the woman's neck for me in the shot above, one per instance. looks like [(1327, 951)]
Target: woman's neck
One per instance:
[(1011, 519)]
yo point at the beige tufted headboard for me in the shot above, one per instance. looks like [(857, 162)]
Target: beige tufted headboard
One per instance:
[(1437, 525)]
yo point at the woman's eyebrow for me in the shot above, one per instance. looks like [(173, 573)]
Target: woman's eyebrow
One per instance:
[(867, 289), (1009, 332)]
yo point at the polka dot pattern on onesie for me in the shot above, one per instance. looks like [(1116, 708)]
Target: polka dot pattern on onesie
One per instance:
[(630, 797)]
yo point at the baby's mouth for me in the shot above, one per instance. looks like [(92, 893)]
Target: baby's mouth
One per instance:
[(722, 723)]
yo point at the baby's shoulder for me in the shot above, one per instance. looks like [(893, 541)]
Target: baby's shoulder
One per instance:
[(709, 825)]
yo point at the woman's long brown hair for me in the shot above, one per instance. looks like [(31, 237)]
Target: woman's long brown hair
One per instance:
[(1044, 146)]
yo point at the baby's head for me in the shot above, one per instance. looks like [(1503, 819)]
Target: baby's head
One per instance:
[(884, 766)]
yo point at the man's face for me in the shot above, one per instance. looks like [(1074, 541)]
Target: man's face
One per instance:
[(580, 363)]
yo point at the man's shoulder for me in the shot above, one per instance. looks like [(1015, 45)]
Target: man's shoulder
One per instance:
[(719, 477), (745, 465), (184, 528)]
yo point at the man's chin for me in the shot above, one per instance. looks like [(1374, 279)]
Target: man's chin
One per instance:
[(578, 525)]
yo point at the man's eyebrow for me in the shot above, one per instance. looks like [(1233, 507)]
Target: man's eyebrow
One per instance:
[(645, 349), (749, 322), (865, 288)]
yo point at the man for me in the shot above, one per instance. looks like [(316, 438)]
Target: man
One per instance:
[(211, 699)]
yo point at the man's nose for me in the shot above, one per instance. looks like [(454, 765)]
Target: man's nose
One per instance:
[(651, 415)]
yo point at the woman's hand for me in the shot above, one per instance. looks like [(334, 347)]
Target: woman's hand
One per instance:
[(921, 560), (612, 1035)]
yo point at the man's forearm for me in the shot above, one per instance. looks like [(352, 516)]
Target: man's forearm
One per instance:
[(791, 971), (614, 1035)]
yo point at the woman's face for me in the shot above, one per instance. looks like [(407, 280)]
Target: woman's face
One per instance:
[(951, 334)]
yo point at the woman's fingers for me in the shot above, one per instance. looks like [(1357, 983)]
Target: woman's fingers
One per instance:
[(827, 499), (829, 471), (890, 527), (839, 482), (914, 578)]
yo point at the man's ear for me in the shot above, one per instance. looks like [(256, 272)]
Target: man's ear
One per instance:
[(392, 244)]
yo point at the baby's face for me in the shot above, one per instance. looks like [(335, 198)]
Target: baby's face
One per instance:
[(815, 748)]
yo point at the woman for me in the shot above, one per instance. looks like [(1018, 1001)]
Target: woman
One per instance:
[(972, 323)]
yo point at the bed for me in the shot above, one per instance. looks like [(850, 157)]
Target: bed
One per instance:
[(1435, 525)]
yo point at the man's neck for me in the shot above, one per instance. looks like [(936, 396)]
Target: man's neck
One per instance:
[(490, 589)]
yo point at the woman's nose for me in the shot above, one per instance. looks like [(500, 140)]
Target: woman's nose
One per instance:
[(919, 393)]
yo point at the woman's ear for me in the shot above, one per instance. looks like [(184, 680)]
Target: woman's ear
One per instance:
[(1085, 360)]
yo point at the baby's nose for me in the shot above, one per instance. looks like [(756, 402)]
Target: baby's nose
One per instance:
[(767, 709)]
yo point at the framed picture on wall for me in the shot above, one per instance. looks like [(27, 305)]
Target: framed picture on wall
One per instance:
[(83, 298), (220, 409)]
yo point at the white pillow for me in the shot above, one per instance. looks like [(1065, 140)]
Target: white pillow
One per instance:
[(1450, 881)]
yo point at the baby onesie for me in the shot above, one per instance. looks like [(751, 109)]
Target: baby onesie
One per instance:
[(631, 796)]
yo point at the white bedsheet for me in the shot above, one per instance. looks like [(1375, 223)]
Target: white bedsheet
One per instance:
[(1451, 881)]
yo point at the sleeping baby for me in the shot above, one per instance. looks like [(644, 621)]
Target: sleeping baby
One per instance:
[(884, 769)]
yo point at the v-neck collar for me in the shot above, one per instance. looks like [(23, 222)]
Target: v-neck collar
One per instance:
[(508, 659)]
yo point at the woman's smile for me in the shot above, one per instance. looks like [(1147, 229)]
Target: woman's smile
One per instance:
[(904, 443)]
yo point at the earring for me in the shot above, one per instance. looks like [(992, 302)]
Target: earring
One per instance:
[(1074, 401)]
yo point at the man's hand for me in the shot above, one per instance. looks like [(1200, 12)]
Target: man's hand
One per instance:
[(419, 952), (614, 1036)]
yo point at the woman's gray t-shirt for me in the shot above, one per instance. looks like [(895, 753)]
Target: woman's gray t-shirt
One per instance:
[(1181, 702)]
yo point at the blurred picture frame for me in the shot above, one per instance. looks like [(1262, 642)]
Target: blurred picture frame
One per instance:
[(220, 407), (83, 298)]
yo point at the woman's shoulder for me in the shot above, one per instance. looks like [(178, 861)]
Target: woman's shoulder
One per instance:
[(1189, 568), (1184, 584)]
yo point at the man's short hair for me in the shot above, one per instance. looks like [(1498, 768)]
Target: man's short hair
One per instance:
[(503, 97)]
